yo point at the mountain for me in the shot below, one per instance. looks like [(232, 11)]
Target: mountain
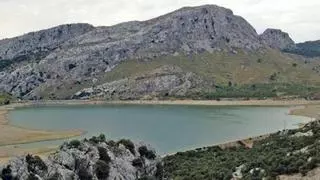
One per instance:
[(308, 49), (191, 51), (275, 38)]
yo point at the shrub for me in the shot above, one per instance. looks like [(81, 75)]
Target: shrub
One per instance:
[(74, 144), (6, 173), (32, 177), (159, 172), (273, 77), (54, 177), (103, 154), (102, 170), (138, 162), (128, 144), (84, 174), (35, 163), (101, 138), (147, 178), (143, 150)]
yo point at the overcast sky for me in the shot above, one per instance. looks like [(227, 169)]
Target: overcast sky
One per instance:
[(301, 19)]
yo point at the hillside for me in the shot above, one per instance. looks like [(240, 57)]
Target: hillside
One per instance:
[(308, 49), (289, 154), (192, 52)]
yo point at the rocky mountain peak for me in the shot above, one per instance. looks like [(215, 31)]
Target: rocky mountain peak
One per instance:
[(275, 38)]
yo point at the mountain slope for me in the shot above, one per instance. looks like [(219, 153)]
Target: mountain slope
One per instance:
[(224, 46), (308, 49)]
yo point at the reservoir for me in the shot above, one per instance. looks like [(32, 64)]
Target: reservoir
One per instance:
[(167, 128)]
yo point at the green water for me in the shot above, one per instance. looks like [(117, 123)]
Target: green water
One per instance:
[(167, 128)]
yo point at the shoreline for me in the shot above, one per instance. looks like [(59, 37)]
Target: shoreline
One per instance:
[(267, 102), (297, 107), (15, 135)]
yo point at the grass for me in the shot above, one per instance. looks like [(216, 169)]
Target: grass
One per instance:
[(5, 98)]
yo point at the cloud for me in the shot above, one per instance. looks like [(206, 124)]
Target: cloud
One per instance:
[(300, 18)]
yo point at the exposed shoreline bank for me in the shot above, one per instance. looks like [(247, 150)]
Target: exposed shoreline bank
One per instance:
[(268, 102), (12, 136)]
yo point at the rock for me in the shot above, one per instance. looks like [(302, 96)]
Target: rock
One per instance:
[(166, 81), (277, 39), (90, 160), (40, 42)]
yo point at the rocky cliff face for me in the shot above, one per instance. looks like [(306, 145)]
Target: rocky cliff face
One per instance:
[(93, 159), (41, 42), (275, 38)]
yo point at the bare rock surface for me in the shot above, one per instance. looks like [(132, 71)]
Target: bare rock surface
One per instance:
[(89, 159), (277, 39)]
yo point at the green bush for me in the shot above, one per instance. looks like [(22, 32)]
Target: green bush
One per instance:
[(84, 174), (96, 140), (143, 150), (74, 144), (138, 162), (6, 173), (102, 170), (103, 154), (128, 144), (35, 163)]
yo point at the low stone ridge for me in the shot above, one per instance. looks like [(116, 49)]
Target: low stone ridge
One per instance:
[(166, 81), (94, 159), (275, 38)]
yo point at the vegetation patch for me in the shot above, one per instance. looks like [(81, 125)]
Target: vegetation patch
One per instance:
[(103, 154), (95, 140), (74, 144), (5, 98), (35, 164), (282, 153), (144, 152), (102, 170), (128, 144)]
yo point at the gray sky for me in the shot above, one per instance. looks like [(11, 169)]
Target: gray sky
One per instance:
[(301, 19)]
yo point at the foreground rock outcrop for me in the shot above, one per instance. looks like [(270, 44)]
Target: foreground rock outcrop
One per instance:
[(89, 159)]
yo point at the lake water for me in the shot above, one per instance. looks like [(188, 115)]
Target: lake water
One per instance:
[(167, 128)]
